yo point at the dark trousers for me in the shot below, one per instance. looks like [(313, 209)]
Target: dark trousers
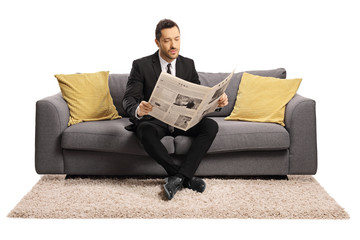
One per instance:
[(150, 133)]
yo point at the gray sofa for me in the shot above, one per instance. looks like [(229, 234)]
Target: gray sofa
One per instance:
[(240, 148)]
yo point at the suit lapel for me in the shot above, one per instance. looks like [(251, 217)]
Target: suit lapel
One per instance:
[(179, 68), (156, 65)]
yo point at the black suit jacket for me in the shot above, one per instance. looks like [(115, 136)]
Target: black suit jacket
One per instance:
[(143, 77)]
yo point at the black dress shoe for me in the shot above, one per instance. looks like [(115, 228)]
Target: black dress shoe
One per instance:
[(172, 185), (196, 184)]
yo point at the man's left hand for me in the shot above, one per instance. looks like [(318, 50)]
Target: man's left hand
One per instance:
[(223, 100)]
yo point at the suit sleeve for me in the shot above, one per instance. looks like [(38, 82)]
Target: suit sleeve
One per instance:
[(134, 90)]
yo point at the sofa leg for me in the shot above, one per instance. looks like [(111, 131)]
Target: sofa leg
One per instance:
[(70, 177), (279, 177)]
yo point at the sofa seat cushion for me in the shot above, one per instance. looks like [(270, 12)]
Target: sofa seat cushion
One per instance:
[(107, 136), (241, 136)]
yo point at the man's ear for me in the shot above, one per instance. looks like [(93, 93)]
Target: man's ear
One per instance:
[(157, 43)]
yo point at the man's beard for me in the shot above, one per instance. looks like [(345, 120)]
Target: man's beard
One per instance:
[(168, 55)]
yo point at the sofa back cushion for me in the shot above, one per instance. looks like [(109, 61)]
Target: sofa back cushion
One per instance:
[(117, 85)]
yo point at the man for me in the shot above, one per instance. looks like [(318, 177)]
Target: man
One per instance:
[(150, 131)]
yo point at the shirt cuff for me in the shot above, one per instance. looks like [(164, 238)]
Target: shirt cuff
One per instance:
[(136, 115)]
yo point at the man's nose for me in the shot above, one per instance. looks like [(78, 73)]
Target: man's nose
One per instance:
[(173, 44)]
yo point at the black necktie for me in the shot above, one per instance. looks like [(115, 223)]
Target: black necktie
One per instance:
[(168, 68)]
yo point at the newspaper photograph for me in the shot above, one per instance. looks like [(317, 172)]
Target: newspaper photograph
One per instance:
[(183, 104)]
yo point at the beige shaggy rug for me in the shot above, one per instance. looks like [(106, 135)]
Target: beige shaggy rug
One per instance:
[(300, 197)]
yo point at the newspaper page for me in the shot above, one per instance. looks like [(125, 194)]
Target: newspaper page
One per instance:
[(183, 104)]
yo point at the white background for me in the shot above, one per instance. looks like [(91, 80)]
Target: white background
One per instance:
[(315, 40)]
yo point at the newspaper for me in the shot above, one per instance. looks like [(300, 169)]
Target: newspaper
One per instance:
[(183, 104)]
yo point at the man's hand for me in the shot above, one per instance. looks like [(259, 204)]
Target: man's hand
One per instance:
[(223, 100), (144, 108)]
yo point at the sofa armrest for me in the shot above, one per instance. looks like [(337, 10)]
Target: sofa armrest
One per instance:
[(52, 116), (300, 122)]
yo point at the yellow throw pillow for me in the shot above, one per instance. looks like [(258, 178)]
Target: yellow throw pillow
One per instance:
[(263, 99), (88, 96)]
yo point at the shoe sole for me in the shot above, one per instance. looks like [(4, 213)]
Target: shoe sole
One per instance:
[(168, 194), (166, 191)]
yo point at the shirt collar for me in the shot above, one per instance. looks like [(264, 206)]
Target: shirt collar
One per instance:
[(164, 64)]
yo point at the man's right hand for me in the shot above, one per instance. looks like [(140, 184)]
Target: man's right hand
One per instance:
[(144, 108)]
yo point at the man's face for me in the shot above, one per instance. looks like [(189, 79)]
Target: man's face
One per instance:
[(169, 44)]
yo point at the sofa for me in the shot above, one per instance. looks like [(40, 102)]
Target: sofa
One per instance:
[(240, 148)]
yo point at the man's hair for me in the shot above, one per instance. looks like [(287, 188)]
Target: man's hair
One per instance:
[(165, 23)]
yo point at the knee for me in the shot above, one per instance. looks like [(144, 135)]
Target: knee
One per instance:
[(211, 126), (146, 132)]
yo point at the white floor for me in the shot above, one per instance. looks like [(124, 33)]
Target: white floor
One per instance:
[(315, 40)]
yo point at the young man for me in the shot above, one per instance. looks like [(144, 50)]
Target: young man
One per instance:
[(150, 131)]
